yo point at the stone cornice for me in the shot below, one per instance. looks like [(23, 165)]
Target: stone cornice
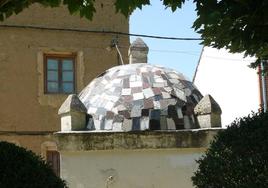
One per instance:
[(89, 140)]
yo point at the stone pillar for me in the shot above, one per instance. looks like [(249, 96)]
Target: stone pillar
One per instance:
[(208, 112), (73, 114), (138, 52)]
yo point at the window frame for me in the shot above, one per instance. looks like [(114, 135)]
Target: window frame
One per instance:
[(59, 58)]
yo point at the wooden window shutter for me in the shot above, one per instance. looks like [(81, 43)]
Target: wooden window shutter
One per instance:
[(53, 159)]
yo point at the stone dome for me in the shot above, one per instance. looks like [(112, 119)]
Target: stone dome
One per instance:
[(140, 97)]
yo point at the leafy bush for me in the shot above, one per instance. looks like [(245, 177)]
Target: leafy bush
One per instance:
[(238, 157), (21, 168)]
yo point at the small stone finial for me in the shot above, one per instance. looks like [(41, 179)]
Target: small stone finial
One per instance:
[(208, 112), (73, 114), (138, 52)]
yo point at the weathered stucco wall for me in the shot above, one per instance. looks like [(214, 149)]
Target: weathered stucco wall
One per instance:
[(171, 168), (147, 159), (89, 140), (25, 107)]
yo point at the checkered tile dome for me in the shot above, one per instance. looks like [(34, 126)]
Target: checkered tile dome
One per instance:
[(140, 97)]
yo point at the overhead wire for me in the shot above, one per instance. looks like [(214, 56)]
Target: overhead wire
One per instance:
[(99, 32), (118, 33)]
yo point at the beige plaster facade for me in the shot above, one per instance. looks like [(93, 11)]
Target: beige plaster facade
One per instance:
[(28, 116), (149, 159), (172, 168)]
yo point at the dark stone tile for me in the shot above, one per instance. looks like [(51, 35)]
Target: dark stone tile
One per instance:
[(118, 118), (109, 115), (157, 91), (158, 97), (148, 103), (172, 112), (163, 123), (155, 114), (136, 90), (145, 112), (136, 124), (126, 83), (127, 98), (125, 113)]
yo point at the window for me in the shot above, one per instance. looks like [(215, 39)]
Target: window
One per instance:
[(53, 160), (59, 73)]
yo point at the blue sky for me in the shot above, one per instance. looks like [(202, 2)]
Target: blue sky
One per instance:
[(156, 20)]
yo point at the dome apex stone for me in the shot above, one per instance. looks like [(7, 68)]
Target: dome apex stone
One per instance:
[(72, 104), (207, 105), (139, 43)]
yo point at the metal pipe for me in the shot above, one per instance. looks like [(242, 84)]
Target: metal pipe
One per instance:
[(118, 51), (263, 82)]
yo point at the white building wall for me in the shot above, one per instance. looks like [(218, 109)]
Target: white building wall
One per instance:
[(161, 168), (230, 81)]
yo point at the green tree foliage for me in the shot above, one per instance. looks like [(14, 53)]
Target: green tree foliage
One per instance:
[(238, 157), (22, 168), (238, 25)]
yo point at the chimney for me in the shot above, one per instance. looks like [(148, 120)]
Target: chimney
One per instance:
[(138, 51), (73, 114)]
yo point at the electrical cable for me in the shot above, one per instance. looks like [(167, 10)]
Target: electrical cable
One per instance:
[(117, 33), (99, 32)]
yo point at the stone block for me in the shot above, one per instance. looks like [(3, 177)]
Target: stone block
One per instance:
[(73, 121)]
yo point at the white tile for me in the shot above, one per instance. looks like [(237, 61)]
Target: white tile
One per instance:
[(143, 69), (187, 91), (132, 78), (117, 126), (148, 93), (135, 112), (114, 110), (109, 105), (97, 124), (92, 110), (108, 124), (172, 101), (116, 81), (168, 89), (137, 96), (187, 124), (114, 98), (126, 91), (104, 81), (144, 123), (156, 84), (127, 124), (156, 104), (173, 75), (121, 107), (112, 89), (179, 113), (166, 95), (135, 84), (174, 81), (180, 94), (171, 124)]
